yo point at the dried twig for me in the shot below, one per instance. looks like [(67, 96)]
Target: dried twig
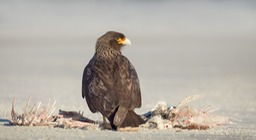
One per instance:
[(160, 117), (42, 116), (31, 115), (186, 117), (188, 99)]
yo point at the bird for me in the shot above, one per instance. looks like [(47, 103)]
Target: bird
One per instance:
[(110, 84)]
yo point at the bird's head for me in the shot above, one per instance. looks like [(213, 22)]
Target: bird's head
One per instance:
[(112, 41)]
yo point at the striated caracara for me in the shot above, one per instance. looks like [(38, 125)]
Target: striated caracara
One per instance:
[(110, 83)]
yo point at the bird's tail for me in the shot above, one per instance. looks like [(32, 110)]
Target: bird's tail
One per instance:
[(132, 119)]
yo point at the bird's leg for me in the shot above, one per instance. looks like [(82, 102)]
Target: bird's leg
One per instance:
[(105, 124), (104, 119)]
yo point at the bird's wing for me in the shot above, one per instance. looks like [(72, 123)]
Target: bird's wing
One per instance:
[(128, 86), (87, 80), (97, 88)]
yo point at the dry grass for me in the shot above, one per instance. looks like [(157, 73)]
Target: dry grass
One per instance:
[(42, 116), (186, 117), (161, 116), (33, 115)]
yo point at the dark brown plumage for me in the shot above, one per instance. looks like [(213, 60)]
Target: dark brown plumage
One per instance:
[(110, 83)]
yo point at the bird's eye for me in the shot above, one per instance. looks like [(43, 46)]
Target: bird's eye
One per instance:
[(119, 40)]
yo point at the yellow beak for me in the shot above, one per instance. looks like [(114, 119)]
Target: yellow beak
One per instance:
[(124, 41), (127, 42)]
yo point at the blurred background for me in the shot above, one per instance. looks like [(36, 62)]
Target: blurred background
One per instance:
[(179, 48)]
